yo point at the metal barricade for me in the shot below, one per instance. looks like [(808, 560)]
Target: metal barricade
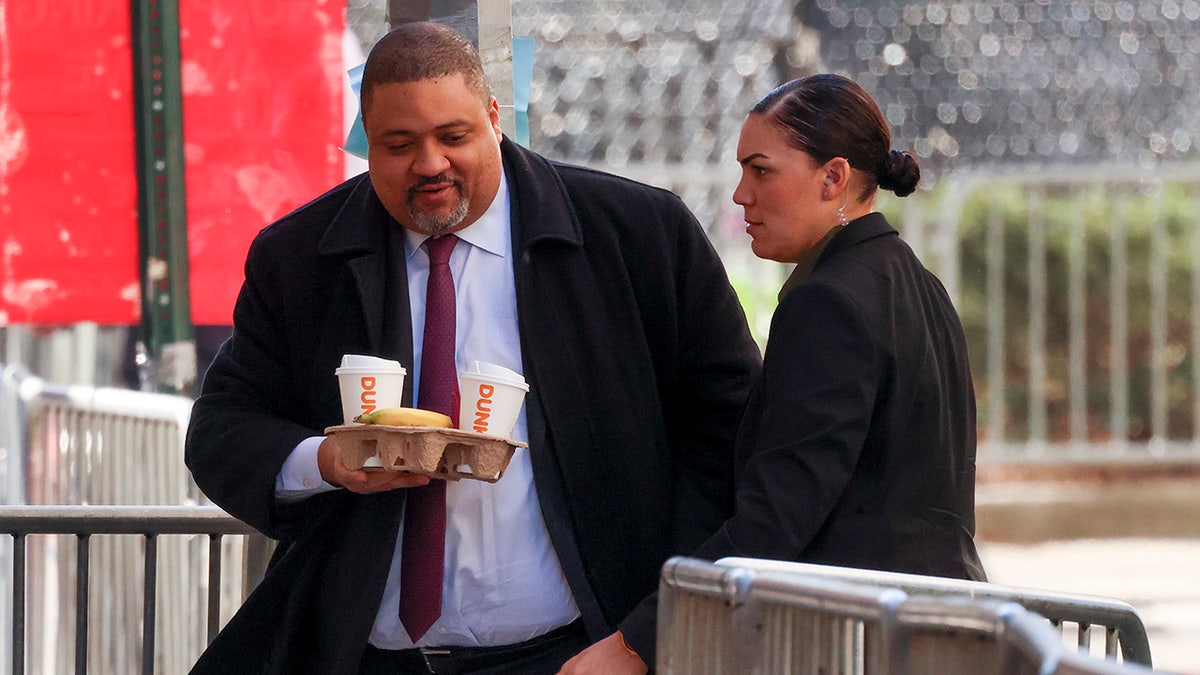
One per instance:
[(73, 444), (148, 523), (13, 380), (101, 445), (1123, 629), (715, 619), (719, 618), (963, 635)]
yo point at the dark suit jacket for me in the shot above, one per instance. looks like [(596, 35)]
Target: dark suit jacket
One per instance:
[(635, 347), (858, 444)]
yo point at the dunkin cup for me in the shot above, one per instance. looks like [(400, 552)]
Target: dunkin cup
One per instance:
[(491, 397), (368, 383)]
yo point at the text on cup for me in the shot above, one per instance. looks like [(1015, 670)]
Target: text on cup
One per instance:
[(368, 394), (483, 407)]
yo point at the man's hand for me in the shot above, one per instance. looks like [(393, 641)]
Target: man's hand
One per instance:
[(609, 655), (329, 460)]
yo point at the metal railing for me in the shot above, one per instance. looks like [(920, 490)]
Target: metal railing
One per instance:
[(1081, 288), (743, 615), (148, 522), (1123, 628), (76, 445)]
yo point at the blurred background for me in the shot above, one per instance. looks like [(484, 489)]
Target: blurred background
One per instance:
[(1058, 146)]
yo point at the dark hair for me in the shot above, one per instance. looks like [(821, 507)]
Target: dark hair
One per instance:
[(422, 50), (829, 116)]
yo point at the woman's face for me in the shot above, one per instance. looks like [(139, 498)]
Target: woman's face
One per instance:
[(782, 191)]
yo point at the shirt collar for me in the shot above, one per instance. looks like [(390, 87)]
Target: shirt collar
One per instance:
[(489, 233)]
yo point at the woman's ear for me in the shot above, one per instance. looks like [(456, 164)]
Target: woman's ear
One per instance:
[(837, 177)]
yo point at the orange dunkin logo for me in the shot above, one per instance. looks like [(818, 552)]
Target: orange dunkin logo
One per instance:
[(483, 408), (368, 394)]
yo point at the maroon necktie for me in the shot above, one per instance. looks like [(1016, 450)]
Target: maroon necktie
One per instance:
[(423, 551)]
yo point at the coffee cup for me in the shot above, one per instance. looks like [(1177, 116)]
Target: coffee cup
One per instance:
[(368, 383), (490, 399)]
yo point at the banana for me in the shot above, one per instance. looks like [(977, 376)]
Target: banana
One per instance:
[(405, 417)]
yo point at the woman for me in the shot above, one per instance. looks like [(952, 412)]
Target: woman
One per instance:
[(857, 447)]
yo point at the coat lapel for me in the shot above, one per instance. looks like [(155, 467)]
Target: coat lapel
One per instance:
[(547, 236), (376, 294), (359, 232), (372, 244)]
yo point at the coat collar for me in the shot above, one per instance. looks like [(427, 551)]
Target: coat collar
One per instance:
[(541, 208), (355, 227), (860, 229)]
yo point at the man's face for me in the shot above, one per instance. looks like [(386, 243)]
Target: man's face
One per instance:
[(433, 152)]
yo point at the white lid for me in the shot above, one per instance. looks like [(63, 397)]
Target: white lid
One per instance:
[(357, 363), (482, 370)]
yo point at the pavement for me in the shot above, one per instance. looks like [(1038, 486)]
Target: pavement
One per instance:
[(1124, 531), (1160, 578)]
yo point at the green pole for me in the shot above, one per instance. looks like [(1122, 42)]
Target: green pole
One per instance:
[(167, 333)]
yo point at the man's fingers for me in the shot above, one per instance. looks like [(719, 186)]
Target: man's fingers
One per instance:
[(367, 482), (406, 480), (354, 481)]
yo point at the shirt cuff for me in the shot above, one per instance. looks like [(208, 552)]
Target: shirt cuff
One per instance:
[(300, 476)]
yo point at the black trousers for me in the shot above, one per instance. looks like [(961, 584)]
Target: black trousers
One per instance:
[(544, 654)]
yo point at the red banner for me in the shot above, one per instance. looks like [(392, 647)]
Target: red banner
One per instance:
[(262, 107)]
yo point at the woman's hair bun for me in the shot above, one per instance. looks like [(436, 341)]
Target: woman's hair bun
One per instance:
[(899, 173)]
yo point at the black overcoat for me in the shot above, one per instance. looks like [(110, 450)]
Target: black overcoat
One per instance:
[(858, 444), (633, 342)]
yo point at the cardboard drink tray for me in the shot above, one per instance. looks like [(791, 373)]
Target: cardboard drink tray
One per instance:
[(437, 452)]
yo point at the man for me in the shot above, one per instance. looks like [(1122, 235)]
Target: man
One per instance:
[(603, 292)]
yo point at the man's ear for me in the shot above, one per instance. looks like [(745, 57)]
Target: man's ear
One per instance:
[(494, 117)]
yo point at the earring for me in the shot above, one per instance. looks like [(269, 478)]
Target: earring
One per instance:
[(841, 214)]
